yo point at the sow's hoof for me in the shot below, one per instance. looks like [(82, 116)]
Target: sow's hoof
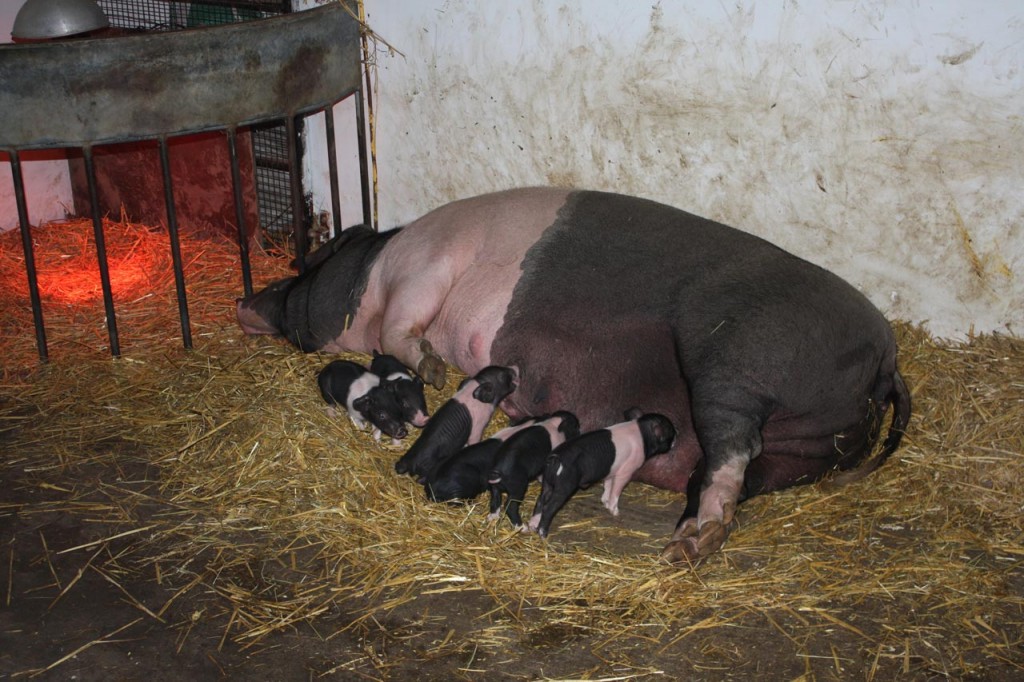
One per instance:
[(689, 546), (431, 368)]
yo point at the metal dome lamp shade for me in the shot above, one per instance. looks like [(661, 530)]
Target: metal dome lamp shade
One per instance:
[(47, 19)]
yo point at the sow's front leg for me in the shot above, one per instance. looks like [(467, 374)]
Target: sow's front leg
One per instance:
[(409, 312)]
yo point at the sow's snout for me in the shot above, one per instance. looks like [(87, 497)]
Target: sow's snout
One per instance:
[(260, 312)]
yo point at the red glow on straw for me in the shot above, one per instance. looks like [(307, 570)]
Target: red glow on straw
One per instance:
[(67, 264), (77, 280)]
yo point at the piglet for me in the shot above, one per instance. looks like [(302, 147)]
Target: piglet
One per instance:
[(460, 421), (347, 383), (612, 454), (464, 475), (406, 387), (521, 459)]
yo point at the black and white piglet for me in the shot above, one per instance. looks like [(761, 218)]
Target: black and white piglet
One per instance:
[(347, 383), (521, 460), (406, 386), (459, 422), (611, 454), (465, 474)]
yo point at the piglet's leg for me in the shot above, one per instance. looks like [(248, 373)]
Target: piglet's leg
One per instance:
[(534, 521), (615, 483), (406, 318), (495, 507), (610, 498), (516, 486)]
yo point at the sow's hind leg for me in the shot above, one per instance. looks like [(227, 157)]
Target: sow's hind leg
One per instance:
[(730, 437), (719, 484)]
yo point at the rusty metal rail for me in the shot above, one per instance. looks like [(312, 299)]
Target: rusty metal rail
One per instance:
[(83, 93)]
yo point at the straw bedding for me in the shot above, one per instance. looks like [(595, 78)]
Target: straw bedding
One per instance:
[(237, 485)]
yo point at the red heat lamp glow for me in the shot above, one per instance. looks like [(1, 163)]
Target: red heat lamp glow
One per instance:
[(67, 266), (77, 280)]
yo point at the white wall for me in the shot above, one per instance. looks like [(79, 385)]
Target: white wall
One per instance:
[(880, 139), (316, 170), (47, 183)]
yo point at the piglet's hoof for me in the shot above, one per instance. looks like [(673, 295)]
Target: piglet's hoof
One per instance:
[(691, 546), (431, 368)]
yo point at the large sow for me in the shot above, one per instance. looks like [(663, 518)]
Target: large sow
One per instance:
[(774, 371)]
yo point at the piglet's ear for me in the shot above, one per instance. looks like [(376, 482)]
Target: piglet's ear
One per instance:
[(362, 402), (484, 393), (666, 430), (633, 413), (417, 382)]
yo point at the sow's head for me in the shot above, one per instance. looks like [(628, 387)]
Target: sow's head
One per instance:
[(263, 312)]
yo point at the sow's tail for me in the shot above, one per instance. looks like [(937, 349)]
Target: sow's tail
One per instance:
[(899, 396)]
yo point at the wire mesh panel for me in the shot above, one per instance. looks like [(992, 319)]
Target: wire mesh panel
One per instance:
[(145, 15), (273, 179), (172, 15)]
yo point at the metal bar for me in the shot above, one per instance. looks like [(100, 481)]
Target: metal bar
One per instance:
[(298, 224), (30, 261), (243, 237), (172, 230), (264, 161), (364, 163), (332, 165), (101, 251)]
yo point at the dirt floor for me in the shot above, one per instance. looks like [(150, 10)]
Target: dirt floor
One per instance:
[(195, 515), (64, 617)]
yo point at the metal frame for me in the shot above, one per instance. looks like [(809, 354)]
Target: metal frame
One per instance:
[(78, 94)]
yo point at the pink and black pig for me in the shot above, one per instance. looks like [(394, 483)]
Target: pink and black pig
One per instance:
[(521, 460), (347, 383), (775, 371), (459, 422), (406, 387), (464, 475), (612, 454)]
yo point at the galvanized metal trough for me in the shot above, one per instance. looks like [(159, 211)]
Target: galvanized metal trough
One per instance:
[(82, 93)]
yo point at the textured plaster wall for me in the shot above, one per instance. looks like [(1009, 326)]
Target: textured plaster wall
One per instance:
[(315, 167), (882, 140)]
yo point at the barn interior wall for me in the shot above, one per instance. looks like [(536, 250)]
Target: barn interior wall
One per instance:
[(878, 139)]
